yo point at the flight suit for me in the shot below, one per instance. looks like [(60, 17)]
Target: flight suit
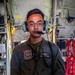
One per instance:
[(26, 61)]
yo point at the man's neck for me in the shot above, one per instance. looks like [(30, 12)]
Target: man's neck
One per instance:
[(35, 40)]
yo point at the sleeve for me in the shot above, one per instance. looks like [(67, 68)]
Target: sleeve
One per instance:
[(59, 65), (15, 63)]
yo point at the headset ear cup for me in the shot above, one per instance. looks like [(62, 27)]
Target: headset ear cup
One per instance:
[(24, 27), (46, 26)]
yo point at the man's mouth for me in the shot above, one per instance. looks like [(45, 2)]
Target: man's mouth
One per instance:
[(34, 31)]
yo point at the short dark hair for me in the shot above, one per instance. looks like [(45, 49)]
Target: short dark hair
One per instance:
[(35, 11)]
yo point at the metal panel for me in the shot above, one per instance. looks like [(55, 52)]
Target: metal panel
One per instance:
[(21, 7)]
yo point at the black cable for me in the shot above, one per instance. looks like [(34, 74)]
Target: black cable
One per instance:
[(47, 36)]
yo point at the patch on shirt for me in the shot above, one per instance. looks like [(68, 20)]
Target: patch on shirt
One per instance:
[(28, 54), (45, 54)]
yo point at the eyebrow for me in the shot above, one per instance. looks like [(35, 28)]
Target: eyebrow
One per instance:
[(37, 21)]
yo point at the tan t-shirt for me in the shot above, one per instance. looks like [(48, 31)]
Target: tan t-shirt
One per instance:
[(36, 46)]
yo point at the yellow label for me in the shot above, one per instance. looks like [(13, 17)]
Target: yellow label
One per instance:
[(19, 16)]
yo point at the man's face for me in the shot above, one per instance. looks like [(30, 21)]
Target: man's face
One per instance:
[(35, 23)]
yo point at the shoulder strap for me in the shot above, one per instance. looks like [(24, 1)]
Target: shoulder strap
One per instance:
[(52, 56)]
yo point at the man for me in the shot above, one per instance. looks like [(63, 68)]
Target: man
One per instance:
[(36, 56)]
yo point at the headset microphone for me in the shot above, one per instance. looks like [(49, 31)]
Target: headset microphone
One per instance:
[(40, 32)]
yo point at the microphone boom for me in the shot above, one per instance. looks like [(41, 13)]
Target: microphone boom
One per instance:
[(40, 32)]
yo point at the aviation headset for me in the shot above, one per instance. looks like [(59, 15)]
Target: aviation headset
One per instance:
[(46, 26), (46, 23)]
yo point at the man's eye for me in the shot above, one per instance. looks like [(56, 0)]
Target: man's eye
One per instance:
[(31, 24), (40, 23)]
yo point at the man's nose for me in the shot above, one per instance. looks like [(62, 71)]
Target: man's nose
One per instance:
[(35, 26)]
